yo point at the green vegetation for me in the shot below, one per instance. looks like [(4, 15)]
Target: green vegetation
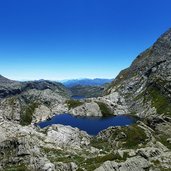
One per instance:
[(123, 75), (139, 96), (73, 103), (101, 144), (21, 167), (142, 56), (160, 101), (104, 109), (81, 160), (157, 166), (133, 113), (56, 155), (93, 163), (163, 139), (12, 101), (134, 136), (27, 113)]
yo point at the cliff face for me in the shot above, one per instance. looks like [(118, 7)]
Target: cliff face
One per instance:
[(146, 84)]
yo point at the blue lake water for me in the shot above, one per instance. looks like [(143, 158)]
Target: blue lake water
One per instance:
[(78, 97), (92, 125)]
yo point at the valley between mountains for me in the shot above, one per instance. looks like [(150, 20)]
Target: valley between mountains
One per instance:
[(142, 90)]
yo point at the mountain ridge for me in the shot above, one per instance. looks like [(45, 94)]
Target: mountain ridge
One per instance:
[(150, 71), (86, 82)]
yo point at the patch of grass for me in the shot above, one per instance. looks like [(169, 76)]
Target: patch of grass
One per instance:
[(159, 167), (102, 159), (21, 167), (73, 103), (133, 113), (139, 96), (123, 75), (12, 101), (134, 136), (142, 56), (8, 148), (49, 150), (79, 169), (160, 101), (83, 162), (163, 139), (27, 113), (93, 163), (101, 144), (55, 155), (165, 169), (104, 109), (156, 162)]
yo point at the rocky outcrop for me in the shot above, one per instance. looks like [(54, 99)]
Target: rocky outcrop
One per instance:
[(64, 136), (112, 104), (87, 109), (132, 164), (116, 102), (66, 166), (26, 102), (27, 145)]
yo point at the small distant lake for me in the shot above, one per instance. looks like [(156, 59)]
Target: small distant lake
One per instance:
[(78, 97), (92, 125)]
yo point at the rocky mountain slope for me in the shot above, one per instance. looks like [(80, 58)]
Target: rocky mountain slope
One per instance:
[(87, 91), (26, 102), (87, 87), (146, 84)]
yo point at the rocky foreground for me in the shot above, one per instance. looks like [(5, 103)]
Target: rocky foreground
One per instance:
[(143, 89)]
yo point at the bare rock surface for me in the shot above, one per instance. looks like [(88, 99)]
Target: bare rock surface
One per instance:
[(131, 164), (87, 109)]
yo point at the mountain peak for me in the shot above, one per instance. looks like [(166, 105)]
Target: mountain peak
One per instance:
[(157, 57), (4, 80), (164, 41)]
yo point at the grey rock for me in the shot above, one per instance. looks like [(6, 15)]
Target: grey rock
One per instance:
[(39, 99), (87, 109), (131, 164), (66, 166), (66, 136)]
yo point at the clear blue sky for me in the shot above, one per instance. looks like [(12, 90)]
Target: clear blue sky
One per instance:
[(62, 39)]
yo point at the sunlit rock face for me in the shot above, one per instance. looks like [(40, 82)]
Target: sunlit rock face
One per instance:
[(87, 109)]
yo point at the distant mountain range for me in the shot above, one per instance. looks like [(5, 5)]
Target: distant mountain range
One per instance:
[(86, 82)]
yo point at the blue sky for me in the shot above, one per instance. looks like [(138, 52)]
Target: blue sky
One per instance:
[(62, 39)]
